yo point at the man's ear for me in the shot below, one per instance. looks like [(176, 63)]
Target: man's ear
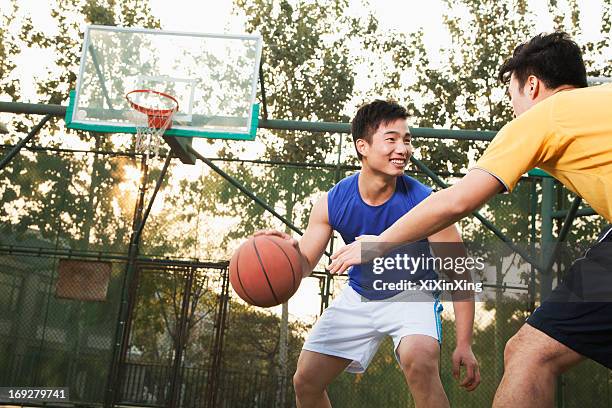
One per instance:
[(362, 146), (533, 86)]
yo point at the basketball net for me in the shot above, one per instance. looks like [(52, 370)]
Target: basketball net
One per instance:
[(148, 139), (152, 116)]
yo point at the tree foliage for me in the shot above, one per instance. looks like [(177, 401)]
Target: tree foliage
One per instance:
[(308, 75)]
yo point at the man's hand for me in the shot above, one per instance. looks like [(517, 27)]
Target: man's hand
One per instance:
[(364, 249), (306, 268), (463, 356), (279, 234)]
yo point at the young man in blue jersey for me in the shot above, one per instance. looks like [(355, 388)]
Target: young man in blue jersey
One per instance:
[(349, 332)]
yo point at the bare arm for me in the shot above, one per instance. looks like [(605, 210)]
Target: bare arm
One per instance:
[(448, 244), (318, 232), (437, 212), (443, 208)]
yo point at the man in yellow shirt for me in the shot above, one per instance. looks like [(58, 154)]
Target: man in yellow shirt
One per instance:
[(564, 128)]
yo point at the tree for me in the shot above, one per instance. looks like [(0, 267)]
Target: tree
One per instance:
[(9, 85), (77, 190)]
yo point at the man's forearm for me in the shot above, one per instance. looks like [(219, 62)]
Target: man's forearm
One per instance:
[(447, 244), (307, 266), (464, 321), (442, 209), (433, 214)]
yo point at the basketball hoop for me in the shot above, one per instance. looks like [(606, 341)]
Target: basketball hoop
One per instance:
[(152, 117)]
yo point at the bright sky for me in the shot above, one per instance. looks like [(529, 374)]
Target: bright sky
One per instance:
[(401, 15), (216, 17)]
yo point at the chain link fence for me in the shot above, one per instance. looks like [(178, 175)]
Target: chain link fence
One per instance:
[(57, 325)]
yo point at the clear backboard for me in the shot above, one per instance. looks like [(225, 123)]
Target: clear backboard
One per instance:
[(213, 78)]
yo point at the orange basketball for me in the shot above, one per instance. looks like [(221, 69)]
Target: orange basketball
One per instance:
[(265, 271)]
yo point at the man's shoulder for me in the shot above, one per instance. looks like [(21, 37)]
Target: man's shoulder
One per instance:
[(344, 183), (415, 186), (581, 101), (540, 116)]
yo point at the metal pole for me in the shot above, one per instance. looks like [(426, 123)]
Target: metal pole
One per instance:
[(582, 212), (547, 235), (119, 346), (33, 108), (567, 224), (179, 338), (133, 272), (153, 196), (532, 244), (264, 102), (130, 281), (569, 219), (333, 127), (248, 193), (6, 159), (215, 375), (324, 127)]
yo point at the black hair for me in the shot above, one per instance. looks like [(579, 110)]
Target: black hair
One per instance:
[(554, 58), (370, 116)]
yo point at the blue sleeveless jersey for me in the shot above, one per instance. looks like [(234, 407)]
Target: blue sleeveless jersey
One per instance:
[(351, 217)]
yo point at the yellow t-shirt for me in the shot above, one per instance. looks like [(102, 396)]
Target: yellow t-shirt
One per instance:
[(569, 135)]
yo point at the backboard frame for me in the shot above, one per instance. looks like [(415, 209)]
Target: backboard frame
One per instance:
[(74, 122)]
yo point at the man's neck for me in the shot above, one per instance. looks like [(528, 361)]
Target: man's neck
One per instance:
[(550, 92), (375, 188)]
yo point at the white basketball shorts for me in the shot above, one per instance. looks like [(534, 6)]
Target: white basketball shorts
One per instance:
[(353, 328)]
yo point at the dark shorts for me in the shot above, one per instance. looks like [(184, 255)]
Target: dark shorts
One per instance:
[(578, 313)]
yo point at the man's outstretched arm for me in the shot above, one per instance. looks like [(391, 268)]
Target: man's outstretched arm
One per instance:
[(432, 215)]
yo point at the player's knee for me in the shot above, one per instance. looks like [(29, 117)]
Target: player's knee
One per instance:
[(419, 365), (417, 372), (511, 351), (523, 355), (299, 382), (303, 384), (519, 354)]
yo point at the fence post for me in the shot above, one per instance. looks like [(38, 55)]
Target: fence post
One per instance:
[(547, 234), (548, 185)]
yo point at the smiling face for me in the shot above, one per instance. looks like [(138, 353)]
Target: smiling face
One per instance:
[(390, 149)]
